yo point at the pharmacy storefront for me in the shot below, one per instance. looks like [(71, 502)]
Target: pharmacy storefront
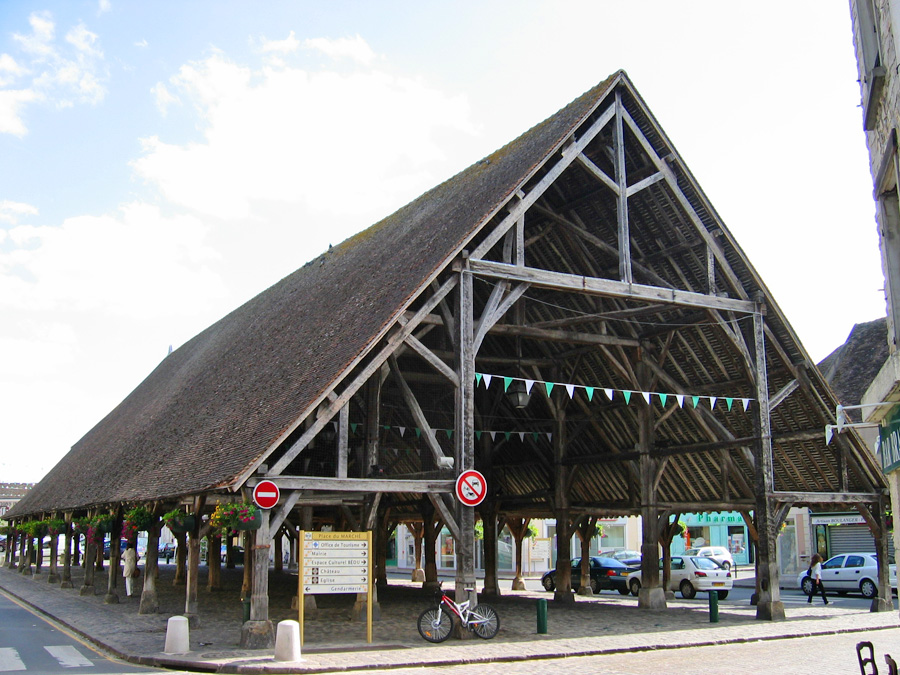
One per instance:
[(725, 528)]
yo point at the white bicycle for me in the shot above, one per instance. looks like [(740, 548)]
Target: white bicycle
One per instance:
[(435, 623)]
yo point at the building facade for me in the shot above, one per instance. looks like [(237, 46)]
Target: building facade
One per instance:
[(876, 36)]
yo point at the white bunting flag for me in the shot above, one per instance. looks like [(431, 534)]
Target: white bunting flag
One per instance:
[(571, 389), (646, 396), (680, 399), (528, 385), (487, 381), (712, 402)]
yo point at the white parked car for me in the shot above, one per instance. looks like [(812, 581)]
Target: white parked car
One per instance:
[(690, 574), (850, 573), (718, 553)]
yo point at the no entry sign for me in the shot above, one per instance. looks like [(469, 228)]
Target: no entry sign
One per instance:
[(265, 494), (471, 487)]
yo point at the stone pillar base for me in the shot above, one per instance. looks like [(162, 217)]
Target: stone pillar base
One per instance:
[(418, 575), (670, 595), (359, 611), (66, 584), (585, 590), (111, 599), (881, 605), (53, 579), (431, 586), (652, 598), (768, 610), (518, 584), (257, 635), (564, 597), (86, 590), (149, 603)]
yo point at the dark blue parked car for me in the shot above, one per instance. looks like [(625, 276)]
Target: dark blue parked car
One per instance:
[(606, 574)]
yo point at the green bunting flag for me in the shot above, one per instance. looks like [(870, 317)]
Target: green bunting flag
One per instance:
[(662, 399), (590, 393), (549, 387), (728, 402), (506, 382), (478, 435), (477, 379), (695, 400), (627, 395)]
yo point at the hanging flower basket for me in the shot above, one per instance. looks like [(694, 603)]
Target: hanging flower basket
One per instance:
[(81, 525), (104, 523), (136, 520), (55, 527), (236, 517), (179, 521)]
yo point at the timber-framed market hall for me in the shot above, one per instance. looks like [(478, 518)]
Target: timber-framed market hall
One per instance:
[(574, 294)]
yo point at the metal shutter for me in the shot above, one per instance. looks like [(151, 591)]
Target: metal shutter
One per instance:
[(851, 538)]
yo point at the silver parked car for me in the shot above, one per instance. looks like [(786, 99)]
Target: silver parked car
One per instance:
[(850, 573)]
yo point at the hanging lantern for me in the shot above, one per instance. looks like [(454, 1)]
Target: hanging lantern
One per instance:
[(518, 394)]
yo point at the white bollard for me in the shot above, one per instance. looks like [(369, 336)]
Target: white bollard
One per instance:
[(177, 636), (287, 641)]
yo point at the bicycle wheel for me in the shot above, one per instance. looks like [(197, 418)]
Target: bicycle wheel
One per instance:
[(435, 625), (484, 621)]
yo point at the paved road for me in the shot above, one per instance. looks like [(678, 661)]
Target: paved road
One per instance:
[(828, 655), (31, 644)]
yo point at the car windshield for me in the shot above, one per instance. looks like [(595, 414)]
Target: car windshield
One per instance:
[(704, 563)]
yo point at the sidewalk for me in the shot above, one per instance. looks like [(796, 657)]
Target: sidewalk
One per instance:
[(608, 623)]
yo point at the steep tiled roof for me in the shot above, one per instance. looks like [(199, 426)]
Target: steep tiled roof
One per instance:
[(216, 404), (850, 368)]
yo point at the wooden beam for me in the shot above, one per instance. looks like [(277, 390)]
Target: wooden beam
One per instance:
[(570, 337), (625, 274), (446, 515), (432, 359), (598, 173), (392, 344), (574, 283), (647, 182), (417, 412), (825, 497), (319, 483), (569, 154)]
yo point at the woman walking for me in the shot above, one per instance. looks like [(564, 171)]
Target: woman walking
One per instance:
[(815, 575), (131, 568)]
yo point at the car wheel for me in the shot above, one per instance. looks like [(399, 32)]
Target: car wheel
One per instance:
[(727, 565), (806, 586), (687, 590), (623, 591), (595, 586), (548, 583), (722, 594), (868, 588), (635, 587)]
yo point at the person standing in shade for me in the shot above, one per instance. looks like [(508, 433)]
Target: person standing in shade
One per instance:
[(815, 575), (130, 570)]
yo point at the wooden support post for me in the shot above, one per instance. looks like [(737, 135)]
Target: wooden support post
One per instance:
[(180, 558), (489, 514), (431, 530), (519, 528), (417, 530), (149, 594), (66, 581), (585, 529), (343, 442), (214, 561), (874, 516), (652, 596), (258, 632), (279, 559), (53, 577), (90, 550), (563, 591), (625, 274), (769, 606), (115, 553), (464, 425)]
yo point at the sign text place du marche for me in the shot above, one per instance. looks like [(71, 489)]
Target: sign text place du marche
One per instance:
[(335, 562)]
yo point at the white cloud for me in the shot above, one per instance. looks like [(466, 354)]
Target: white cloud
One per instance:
[(163, 97), (104, 6), (11, 211), (142, 44), (11, 103), (355, 49), (135, 264), (62, 74), (289, 44), (358, 143)]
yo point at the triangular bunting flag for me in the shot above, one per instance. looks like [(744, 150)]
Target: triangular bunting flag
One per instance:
[(662, 399), (647, 396), (712, 402), (728, 402), (570, 388), (549, 436), (746, 403), (695, 400), (680, 399), (522, 436), (590, 393), (534, 435), (506, 382), (449, 433), (528, 385), (627, 395), (353, 426), (477, 379), (402, 431), (507, 434), (387, 427), (478, 435), (549, 387), (418, 432), (609, 393), (487, 381), (493, 435)]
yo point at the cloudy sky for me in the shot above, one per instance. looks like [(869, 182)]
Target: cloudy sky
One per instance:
[(161, 163)]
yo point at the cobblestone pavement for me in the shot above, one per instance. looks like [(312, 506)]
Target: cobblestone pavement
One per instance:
[(607, 624)]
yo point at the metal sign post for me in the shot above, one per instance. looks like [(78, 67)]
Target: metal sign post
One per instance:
[(335, 562)]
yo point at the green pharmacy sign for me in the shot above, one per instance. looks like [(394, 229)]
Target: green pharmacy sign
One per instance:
[(890, 442)]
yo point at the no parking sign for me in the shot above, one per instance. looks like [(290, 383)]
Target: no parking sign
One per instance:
[(471, 488)]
